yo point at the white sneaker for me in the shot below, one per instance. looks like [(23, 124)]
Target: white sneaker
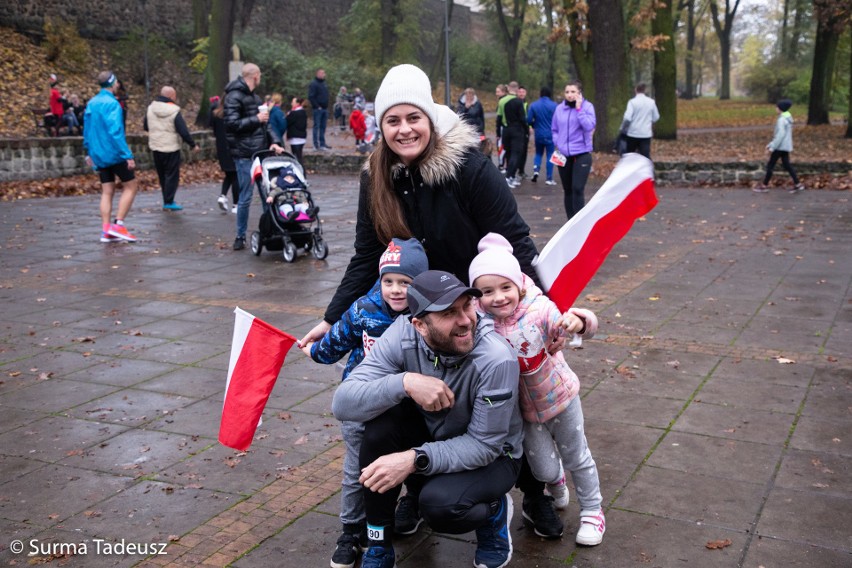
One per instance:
[(559, 492), (592, 528), (234, 209), (550, 182), (576, 342), (223, 203), (511, 182)]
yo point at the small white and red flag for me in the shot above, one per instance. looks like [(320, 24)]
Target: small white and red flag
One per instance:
[(570, 259), (257, 354), (256, 170)]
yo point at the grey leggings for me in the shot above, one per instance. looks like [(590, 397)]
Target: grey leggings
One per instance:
[(563, 438)]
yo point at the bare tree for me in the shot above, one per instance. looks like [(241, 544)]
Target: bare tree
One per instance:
[(511, 28), (612, 89), (665, 71), (723, 32)]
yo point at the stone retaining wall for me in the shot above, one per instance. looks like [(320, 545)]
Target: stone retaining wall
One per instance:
[(40, 158), (736, 172)]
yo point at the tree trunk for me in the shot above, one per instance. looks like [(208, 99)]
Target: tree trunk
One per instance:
[(550, 74), (200, 20), (825, 53), (511, 32), (689, 83), (849, 97), (389, 18), (611, 70), (583, 59), (725, 56), (665, 75), (438, 68), (222, 16), (782, 41), (724, 34), (798, 29)]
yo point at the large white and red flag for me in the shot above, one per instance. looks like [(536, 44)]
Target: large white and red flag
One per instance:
[(257, 354), (570, 259)]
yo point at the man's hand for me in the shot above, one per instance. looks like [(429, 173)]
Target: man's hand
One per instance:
[(277, 149), (196, 148), (430, 393), (263, 116), (89, 161), (388, 471), (131, 164)]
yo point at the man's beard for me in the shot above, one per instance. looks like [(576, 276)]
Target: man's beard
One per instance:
[(449, 344)]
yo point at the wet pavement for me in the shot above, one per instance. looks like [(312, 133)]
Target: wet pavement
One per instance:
[(717, 396)]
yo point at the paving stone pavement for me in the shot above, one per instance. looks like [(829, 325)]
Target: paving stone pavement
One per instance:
[(718, 395)]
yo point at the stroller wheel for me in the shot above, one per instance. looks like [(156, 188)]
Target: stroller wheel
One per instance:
[(319, 249), (256, 247), (289, 252)]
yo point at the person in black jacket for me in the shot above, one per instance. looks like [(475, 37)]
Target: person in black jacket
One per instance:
[(470, 109), (246, 127), (515, 119), (223, 154), (297, 128), (427, 179), (318, 97)]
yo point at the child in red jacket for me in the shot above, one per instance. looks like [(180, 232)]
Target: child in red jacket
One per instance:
[(358, 126)]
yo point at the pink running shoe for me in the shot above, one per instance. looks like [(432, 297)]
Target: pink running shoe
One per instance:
[(121, 232)]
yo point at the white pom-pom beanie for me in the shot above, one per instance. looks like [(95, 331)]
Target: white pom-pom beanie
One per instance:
[(406, 84), (495, 257)]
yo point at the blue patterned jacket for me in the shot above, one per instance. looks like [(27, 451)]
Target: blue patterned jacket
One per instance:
[(358, 328)]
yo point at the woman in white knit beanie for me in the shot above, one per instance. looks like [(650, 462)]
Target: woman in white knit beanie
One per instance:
[(428, 180)]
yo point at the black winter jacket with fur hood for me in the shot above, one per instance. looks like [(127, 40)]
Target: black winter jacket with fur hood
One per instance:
[(450, 203)]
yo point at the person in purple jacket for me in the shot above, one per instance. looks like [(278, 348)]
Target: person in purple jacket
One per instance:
[(573, 126)]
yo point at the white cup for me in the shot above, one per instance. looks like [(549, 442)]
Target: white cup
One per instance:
[(262, 108)]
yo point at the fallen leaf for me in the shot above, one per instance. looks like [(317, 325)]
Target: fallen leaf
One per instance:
[(714, 544), (785, 361), (301, 440), (44, 376)]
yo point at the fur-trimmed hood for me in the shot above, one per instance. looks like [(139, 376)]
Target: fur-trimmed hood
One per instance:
[(455, 138)]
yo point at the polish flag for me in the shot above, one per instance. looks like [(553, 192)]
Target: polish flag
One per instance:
[(257, 354), (256, 170), (571, 258)]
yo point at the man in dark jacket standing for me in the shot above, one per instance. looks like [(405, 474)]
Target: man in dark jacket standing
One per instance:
[(245, 122), (318, 97), (166, 127)]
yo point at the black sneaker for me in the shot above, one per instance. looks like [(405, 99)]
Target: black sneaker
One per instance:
[(539, 512), (346, 553), (239, 243), (534, 177), (407, 518)]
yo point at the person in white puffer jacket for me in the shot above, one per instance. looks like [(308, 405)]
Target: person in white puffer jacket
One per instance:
[(548, 388)]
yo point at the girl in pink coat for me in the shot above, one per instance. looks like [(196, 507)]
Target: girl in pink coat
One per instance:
[(554, 438)]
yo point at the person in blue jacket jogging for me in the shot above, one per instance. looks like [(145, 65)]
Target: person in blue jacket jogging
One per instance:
[(107, 151)]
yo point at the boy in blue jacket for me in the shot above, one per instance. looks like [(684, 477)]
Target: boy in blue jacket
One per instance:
[(356, 331)]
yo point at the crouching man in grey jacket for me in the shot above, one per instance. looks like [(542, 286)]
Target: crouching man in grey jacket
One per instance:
[(439, 398)]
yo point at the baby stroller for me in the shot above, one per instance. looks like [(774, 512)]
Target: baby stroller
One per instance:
[(291, 222)]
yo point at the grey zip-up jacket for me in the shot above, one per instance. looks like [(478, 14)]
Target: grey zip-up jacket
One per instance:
[(783, 137), (485, 420)]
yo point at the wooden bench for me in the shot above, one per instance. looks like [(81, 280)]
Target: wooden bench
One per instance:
[(42, 119)]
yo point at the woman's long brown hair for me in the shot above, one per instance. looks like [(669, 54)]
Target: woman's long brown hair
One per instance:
[(385, 207)]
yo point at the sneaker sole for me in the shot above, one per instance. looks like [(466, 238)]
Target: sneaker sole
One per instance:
[(585, 542), (223, 206), (334, 564), (409, 532), (124, 238), (528, 522), (110, 240)]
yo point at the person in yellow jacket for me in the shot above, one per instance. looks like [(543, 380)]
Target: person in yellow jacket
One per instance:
[(166, 128)]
